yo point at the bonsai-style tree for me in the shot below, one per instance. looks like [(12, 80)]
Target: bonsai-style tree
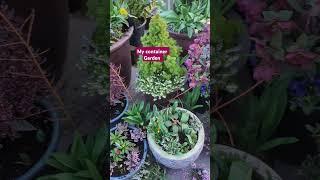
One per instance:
[(155, 78)]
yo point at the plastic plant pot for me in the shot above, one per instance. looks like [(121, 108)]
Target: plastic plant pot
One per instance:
[(138, 32)]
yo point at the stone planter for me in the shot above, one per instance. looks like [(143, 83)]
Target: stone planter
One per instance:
[(120, 55), (258, 166), (178, 161)]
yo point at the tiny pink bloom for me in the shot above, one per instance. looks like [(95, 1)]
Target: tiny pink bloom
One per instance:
[(264, 72)]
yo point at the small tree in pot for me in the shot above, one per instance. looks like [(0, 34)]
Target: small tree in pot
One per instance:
[(155, 78)]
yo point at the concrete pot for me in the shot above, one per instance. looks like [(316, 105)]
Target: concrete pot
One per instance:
[(258, 166), (178, 161), (120, 55)]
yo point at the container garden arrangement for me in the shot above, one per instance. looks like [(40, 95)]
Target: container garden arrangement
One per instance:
[(186, 20), (120, 34), (175, 137), (160, 79), (128, 151), (84, 159), (29, 125)]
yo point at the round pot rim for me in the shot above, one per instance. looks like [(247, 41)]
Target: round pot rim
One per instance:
[(145, 151), (201, 135), (125, 37), (253, 161), (51, 147), (124, 111)]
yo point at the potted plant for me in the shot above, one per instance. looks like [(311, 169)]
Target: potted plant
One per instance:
[(120, 52), (84, 158), (29, 125), (119, 100), (198, 63), (175, 137), (159, 79), (138, 12), (186, 20), (128, 151)]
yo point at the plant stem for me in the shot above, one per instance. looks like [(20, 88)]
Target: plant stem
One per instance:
[(227, 127), (237, 97)]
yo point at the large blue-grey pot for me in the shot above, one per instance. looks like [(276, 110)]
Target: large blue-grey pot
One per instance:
[(37, 167), (132, 173), (118, 119)]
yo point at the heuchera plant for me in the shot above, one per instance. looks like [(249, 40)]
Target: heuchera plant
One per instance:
[(198, 62), (155, 78), (284, 33)]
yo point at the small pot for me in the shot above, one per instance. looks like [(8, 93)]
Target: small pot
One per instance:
[(259, 167), (178, 161), (132, 173), (138, 31), (120, 55), (183, 41), (118, 119), (36, 168)]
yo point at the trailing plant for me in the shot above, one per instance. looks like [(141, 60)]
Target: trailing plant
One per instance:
[(82, 161), (125, 153), (160, 79), (198, 62), (310, 168), (174, 130), (187, 18), (261, 118), (139, 114)]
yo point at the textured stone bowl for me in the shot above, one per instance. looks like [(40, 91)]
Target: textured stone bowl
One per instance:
[(178, 161)]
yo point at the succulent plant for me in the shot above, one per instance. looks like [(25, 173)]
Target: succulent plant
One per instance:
[(133, 159), (137, 135)]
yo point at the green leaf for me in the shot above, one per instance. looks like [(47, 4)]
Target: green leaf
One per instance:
[(277, 142), (240, 170), (93, 170), (189, 31), (83, 174), (78, 149), (184, 117), (67, 161), (99, 145)]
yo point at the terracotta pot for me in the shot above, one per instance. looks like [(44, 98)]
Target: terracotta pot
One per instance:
[(183, 41), (50, 30), (120, 55), (138, 32)]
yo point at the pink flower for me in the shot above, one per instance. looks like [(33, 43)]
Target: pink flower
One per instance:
[(301, 58), (192, 84), (188, 63)]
